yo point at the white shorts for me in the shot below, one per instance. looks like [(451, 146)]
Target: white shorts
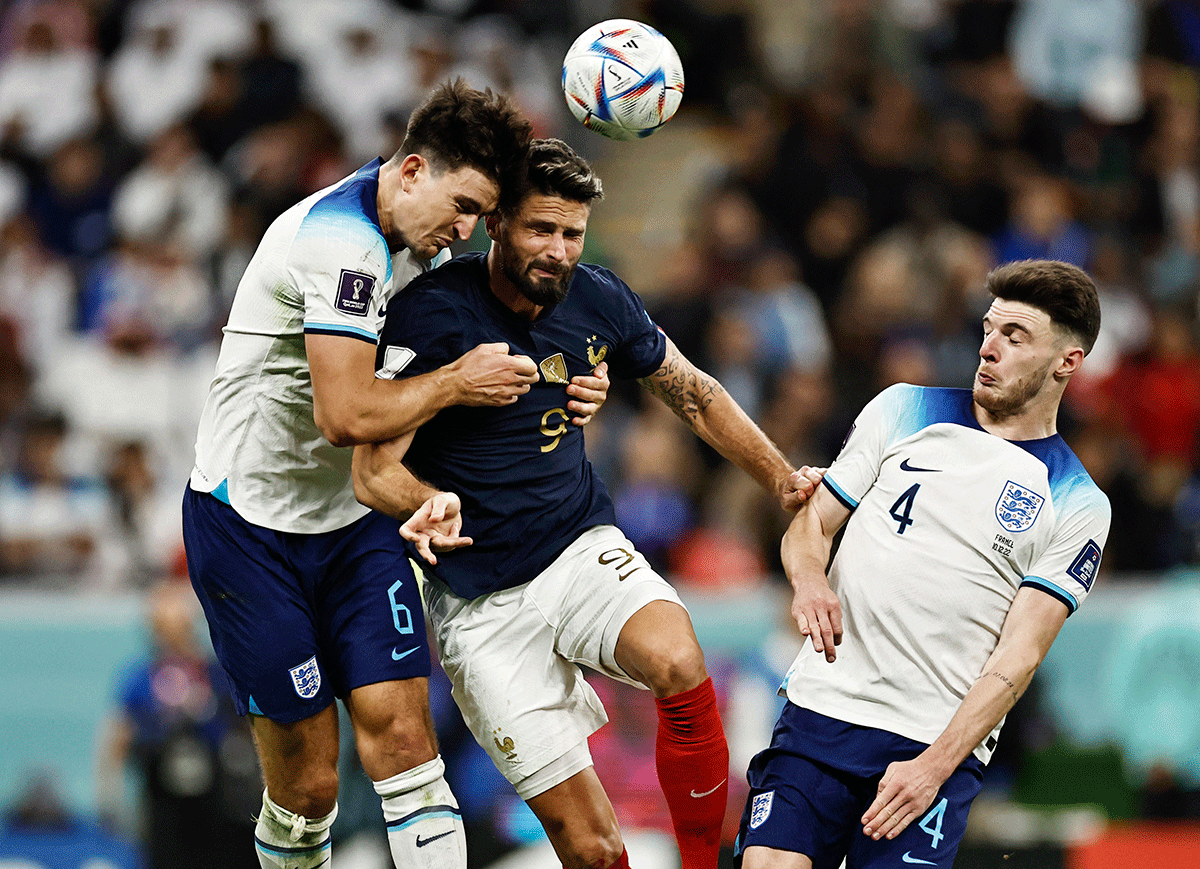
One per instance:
[(513, 656)]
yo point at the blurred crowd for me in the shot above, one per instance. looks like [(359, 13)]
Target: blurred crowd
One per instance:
[(880, 156)]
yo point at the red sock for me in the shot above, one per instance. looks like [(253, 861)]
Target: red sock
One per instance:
[(692, 758)]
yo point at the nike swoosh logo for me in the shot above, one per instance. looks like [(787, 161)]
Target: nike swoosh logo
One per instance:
[(905, 466), (907, 859), (421, 843), (396, 657), (706, 793)]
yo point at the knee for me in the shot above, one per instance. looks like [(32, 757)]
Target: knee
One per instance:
[(675, 669), (391, 744), (312, 795)]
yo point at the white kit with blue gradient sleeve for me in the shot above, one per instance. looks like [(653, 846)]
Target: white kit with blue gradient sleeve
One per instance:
[(948, 522), (323, 267)]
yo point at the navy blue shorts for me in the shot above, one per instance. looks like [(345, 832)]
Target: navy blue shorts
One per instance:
[(810, 788), (298, 619)]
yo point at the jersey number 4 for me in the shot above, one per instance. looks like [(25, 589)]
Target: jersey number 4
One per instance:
[(901, 511)]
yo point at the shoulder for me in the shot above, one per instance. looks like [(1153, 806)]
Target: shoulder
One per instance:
[(451, 281), (341, 217), (1072, 486)]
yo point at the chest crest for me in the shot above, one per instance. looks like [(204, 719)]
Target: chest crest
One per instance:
[(595, 357), (1018, 507), (554, 369)]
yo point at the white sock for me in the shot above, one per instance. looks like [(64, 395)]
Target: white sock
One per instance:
[(424, 825), (285, 840)]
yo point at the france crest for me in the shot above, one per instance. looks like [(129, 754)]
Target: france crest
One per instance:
[(1018, 507), (760, 809), (306, 678)]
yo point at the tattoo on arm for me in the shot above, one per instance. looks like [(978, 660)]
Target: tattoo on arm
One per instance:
[(682, 387), (1011, 687)]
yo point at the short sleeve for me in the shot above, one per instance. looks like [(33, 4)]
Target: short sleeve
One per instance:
[(421, 332), (857, 465), (340, 266), (643, 345), (1068, 567)]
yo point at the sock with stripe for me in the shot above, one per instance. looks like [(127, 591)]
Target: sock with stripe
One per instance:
[(285, 840), (424, 825), (692, 758)]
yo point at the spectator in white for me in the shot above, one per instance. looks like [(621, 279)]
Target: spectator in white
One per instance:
[(174, 196), (1061, 49), (47, 91), (37, 292), (364, 74), (50, 519), (158, 75)]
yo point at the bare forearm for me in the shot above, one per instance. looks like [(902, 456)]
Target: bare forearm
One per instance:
[(383, 483), (701, 402), (1004, 679), (385, 409)]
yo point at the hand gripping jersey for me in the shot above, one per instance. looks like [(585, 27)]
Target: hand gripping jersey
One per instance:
[(949, 521), (322, 267), (526, 485)]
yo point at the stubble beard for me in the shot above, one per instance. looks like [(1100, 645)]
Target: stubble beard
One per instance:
[(1004, 405)]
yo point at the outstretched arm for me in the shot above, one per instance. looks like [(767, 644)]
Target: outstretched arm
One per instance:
[(908, 788), (383, 483), (352, 406), (700, 401)]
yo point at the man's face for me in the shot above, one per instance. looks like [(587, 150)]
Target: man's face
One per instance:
[(1020, 350), (432, 209), (539, 245)]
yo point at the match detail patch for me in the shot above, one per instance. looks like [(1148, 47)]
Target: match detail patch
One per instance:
[(1087, 562)]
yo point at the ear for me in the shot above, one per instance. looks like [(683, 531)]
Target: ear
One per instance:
[(410, 167), (491, 223), (1069, 362)]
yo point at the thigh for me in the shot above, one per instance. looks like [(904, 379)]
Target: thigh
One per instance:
[(797, 805), (526, 705), (591, 591), (933, 839), (260, 616), (299, 761), (370, 620)]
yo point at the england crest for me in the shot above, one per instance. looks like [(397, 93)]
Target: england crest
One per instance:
[(1018, 507), (760, 809), (306, 678)]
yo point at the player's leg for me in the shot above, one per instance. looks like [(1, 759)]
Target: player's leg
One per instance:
[(657, 646), (397, 745), (262, 629), (580, 823), (371, 614), (299, 766), (532, 711), (761, 857)]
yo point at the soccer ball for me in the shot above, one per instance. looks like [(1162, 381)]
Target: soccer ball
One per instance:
[(622, 79)]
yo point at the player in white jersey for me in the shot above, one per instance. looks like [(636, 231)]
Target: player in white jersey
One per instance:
[(972, 532), (308, 595)]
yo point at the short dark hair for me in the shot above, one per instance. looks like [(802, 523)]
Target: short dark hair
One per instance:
[(554, 169), (459, 126), (1065, 292)]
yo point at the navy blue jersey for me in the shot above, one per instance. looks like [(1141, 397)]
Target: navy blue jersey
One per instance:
[(526, 485)]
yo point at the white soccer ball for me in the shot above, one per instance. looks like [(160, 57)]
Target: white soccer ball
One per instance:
[(622, 79)]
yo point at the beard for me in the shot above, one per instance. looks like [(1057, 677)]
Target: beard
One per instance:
[(1002, 405), (539, 290)]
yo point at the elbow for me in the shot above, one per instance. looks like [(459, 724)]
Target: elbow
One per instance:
[(341, 430)]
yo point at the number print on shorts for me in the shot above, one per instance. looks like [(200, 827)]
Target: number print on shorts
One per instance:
[(609, 556), (932, 822)]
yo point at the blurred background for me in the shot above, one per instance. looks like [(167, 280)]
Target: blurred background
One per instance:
[(813, 226)]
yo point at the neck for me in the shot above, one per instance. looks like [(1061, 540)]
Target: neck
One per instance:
[(1029, 423), (507, 292), (388, 179)]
